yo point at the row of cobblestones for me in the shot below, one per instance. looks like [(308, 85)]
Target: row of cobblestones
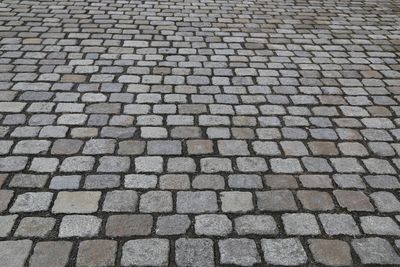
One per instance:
[(199, 133)]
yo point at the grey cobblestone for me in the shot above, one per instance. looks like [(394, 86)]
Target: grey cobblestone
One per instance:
[(199, 133)]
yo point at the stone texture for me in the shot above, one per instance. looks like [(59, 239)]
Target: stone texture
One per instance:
[(375, 251), (155, 201), (96, 253), (236, 202), (287, 252), (129, 225), (172, 225), (35, 226), (256, 224), (76, 202), (120, 201), (196, 202), (276, 200), (51, 253), (144, 252), (79, 225), (31, 202), (300, 224), (212, 224), (272, 126), (15, 253), (238, 251), (330, 252), (194, 252)]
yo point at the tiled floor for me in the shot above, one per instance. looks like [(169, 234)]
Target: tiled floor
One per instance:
[(199, 133)]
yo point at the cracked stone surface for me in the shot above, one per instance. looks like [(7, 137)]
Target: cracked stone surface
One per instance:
[(199, 133)]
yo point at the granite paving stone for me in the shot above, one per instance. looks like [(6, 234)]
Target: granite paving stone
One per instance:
[(51, 253), (79, 226), (15, 253), (194, 252), (97, 252), (331, 252), (238, 251), (199, 133), (287, 252), (144, 252)]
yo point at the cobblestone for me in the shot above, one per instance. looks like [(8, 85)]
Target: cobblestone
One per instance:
[(285, 252), (199, 133), (194, 252)]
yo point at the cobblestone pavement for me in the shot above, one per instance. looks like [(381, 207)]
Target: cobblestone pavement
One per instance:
[(199, 133)]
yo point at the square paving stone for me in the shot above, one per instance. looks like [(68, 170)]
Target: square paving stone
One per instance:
[(51, 253), (156, 201), (114, 164), (239, 202), (28, 180), (131, 147), (385, 201), (129, 225), (120, 201), (349, 181), (353, 200), (179, 165), (94, 253), (145, 252), (256, 224), (287, 252), (44, 165), (149, 164), (300, 224), (280, 181), (375, 225), (65, 182), (285, 165), (251, 164), (241, 251), (140, 181), (35, 226), (208, 181), (247, 181), (276, 200), (76, 202), (175, 181), (315, 200), (375, 250), (31, 202), (199, 147), (196, 252), (196, 202), (13, 164), (101, 181), (172, 225), (99, 146), (213, 165), (66, 146), (339, 224), (14, 253), (233, 148), (6, 224), (164, 147), (330, 252), (5, 198), (79, 225), (316, 181), (212, 225), (77, 164), (32, 147), (382, 181)]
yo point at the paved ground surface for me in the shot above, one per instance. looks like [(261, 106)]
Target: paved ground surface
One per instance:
[(199, 133)]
